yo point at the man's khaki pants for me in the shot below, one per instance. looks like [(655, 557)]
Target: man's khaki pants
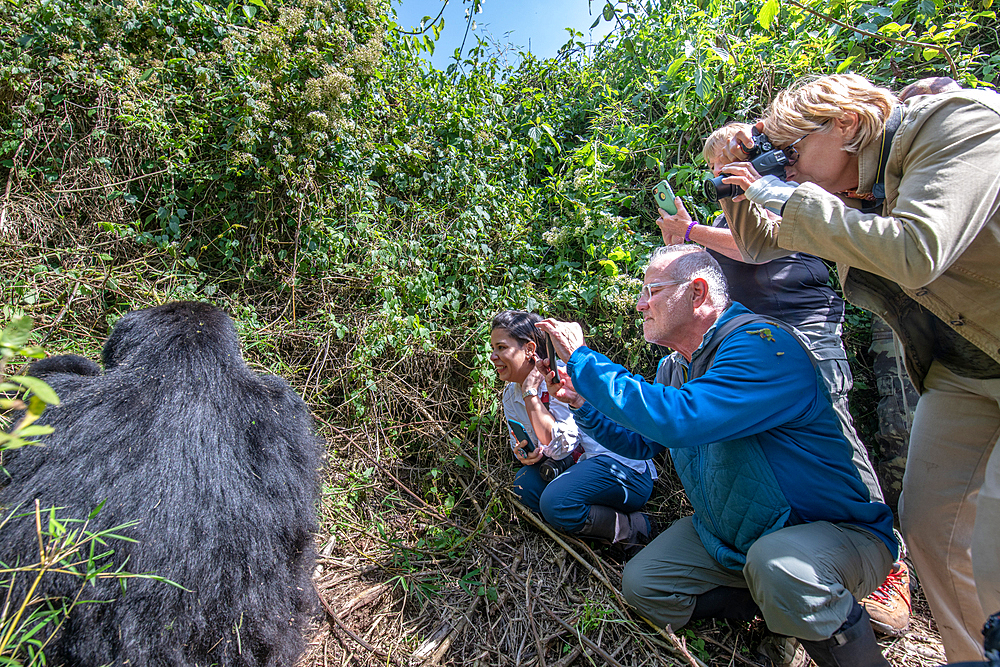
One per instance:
[(950, 508), (804, 578)]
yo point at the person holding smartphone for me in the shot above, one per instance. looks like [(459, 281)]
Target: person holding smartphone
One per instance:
[(601, 495)]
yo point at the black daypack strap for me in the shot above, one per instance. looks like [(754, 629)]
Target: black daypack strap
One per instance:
[(888, 132), (675, 375)]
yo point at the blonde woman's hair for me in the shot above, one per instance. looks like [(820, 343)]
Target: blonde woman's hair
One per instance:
[(813, 104), (721, 136)]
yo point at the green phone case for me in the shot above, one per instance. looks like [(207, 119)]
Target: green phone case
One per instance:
[(664, 197)]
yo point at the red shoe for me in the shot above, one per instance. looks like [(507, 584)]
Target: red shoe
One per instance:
[(889, 605)]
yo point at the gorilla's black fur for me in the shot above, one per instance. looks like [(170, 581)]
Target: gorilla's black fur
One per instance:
[(219, 465)]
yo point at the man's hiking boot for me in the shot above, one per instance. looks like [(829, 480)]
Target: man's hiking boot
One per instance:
[(627, 533), (889, 605), (642, 530)]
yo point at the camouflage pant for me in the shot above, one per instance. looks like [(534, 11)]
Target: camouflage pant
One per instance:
[(897, 402)]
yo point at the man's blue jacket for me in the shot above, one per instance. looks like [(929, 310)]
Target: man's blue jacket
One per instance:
[(754, 440)]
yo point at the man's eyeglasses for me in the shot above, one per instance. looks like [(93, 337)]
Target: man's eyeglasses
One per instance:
[(791, 152), (647, 289)]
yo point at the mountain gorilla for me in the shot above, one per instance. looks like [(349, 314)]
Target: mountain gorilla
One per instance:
[(220, 467)]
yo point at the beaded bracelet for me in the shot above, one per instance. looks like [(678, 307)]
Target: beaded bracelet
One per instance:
[(687, 234)]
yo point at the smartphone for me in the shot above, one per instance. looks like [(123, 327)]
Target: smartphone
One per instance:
[(517, 428), (664, 197), (553, 359)]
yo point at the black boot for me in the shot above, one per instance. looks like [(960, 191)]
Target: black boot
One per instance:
[(600, 523), (628, 532), (853, 645), (726, 602)]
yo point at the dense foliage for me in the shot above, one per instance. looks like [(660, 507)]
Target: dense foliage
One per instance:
[(265, 144), (301, 163)]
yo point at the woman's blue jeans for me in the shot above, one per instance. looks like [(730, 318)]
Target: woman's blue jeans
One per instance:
[(565, 502)]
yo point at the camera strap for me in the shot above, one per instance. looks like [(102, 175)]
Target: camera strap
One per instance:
[(888, 132)]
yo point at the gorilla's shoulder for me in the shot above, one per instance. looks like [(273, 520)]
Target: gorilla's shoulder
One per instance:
[(275, 383), (65, 373), (281, 392)]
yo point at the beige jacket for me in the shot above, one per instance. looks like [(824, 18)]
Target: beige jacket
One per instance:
[(937, 243)]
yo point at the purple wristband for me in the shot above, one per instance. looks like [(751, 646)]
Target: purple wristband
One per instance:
[(687, 234)]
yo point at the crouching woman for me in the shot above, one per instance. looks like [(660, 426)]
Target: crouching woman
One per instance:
[(600, 495)]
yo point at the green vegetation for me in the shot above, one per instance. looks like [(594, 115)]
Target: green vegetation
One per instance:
[(362, 216), (20, 392)]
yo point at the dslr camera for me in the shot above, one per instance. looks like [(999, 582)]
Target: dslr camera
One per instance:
[(764, 157), (549, 469)]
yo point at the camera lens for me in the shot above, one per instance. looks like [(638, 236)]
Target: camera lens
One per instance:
[(714, 189)]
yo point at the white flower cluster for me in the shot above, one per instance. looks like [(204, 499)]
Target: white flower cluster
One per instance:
[(291, 19), (334, 87)]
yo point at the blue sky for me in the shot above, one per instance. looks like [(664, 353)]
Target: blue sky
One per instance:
[(541, 23)]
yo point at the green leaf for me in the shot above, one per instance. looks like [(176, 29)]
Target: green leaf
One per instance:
[(56, 528), (17, 332), (35, 430), (38, 387), (36, 407), (610, 268), (619, 254), (767, 13), (609, 12), (846, 63), (676, 65), (700, 87), (97, 509)]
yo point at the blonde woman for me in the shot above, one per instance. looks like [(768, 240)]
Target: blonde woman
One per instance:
[(906, 198)]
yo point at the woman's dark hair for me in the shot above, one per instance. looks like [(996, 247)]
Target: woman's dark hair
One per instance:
[(520, 324)]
